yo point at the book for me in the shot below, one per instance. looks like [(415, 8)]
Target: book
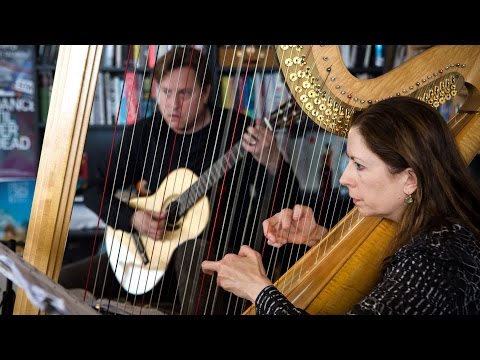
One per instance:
[(16, 197), (18, 129), (131, 97)]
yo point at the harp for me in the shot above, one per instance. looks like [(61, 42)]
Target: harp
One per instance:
[(317, 282), (345, 266), (65, 133)]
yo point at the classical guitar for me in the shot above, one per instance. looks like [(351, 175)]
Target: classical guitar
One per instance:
[(138, 261)]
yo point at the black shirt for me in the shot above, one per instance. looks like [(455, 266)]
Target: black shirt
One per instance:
[(437, 273), (150, 151)]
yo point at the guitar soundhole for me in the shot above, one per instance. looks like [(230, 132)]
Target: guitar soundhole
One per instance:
[(174, 220), (174, 226)]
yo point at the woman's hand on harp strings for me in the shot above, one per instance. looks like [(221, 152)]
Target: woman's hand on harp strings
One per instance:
[(260, 142), (150, 223), (242, 274), (297, 226)]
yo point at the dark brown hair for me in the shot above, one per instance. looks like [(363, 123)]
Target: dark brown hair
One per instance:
[(179, 57), (408, 133)]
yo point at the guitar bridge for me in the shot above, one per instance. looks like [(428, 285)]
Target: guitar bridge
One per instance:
[(140, 248)]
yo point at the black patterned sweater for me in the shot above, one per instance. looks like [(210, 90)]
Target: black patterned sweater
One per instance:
[(437, 273)]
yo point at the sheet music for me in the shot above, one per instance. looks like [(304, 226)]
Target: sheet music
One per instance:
[(42, 291)]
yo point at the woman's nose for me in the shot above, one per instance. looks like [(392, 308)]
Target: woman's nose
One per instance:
[(345, 179)]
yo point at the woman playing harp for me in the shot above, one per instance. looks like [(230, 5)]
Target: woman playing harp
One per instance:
[(404, 166)]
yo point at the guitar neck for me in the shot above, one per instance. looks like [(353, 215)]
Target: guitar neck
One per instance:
[(208, 178), (282, 117)]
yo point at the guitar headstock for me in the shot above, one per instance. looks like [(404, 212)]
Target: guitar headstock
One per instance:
[(284, 115)]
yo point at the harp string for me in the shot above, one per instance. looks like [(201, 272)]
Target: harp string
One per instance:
[(129, 150), (287, 256), (188, 152), (195, 298), (203, 209), (222, 146), (240, 240), (274, 256), (324, 200), (157, 142), (188, 155), (155, 243), (155, 198), (104, 193), (212, 233), (254, 168), (251, 239), (220, 251), (175, 297), (424, 92), (292, 257), (269, 188), (130, 96), (137, 163), (274, 262), (232, 198)]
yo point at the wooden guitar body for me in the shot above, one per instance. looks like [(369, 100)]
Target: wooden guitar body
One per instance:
[(132, 273)]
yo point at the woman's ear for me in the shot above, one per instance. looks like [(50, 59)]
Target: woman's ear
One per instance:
[(411, 181)]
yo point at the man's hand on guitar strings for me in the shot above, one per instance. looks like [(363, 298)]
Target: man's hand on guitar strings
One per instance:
[(260, 142)]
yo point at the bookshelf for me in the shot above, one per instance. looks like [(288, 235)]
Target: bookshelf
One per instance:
[(112, 92), (253, 70), (368, 61), (235, 68), (118, 62), (100, 132), (248, 79)]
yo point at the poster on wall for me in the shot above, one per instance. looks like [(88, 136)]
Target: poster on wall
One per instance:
[(18, 130), (16, 198)]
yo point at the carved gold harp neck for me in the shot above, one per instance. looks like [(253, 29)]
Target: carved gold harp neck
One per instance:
[(329, 94)]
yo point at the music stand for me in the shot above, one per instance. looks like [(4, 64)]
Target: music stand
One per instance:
[(42, 291), (8, 297)]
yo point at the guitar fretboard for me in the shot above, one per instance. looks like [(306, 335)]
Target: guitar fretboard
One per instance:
[(213, 174), (209, 178)]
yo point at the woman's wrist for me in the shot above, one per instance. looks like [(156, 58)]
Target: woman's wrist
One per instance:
[(258, 288), (317, 235)]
